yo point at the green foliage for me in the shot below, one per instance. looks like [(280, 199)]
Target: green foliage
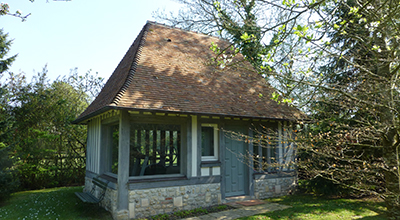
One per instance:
[(48, 149), (161, 217), (8, 179), (190, 213), (5, 44), (322, 187), (245, 34), (339, 61)]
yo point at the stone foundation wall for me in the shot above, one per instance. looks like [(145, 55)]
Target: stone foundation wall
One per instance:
[(88, 184), (149, 202), (274, 187), (110, 198)]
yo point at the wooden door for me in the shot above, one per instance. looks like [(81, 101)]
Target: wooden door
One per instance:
[(236, 178)]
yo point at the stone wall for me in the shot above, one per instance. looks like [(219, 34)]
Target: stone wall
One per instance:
[(149, 202), (274, 187), (110, 198), (88, 184)]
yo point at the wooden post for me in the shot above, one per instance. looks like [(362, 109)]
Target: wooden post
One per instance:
[(154, 160), (251, 162), (171, 148), (162, 148), (123, 165)]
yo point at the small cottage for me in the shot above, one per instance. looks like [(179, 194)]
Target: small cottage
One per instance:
[(160, 131)]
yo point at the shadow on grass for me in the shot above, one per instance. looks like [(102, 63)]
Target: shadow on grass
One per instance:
[(56, 203), (311, 207), (88, 210), (91, 211)]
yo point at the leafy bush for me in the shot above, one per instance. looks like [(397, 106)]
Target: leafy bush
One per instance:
[(321, 186), (8, 180)]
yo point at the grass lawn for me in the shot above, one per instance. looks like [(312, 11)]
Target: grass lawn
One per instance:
[(56, 203), (61, 203), (310, 207)]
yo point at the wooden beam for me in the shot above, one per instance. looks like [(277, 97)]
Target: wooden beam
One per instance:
[(123, 163)]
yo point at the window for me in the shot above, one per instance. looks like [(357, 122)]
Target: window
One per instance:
[(209, 142), (155, 149), (273, 151)]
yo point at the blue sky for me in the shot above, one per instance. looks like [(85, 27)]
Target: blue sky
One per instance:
[(87, 34)]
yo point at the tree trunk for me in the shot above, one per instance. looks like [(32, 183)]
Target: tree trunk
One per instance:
[(391, 155)]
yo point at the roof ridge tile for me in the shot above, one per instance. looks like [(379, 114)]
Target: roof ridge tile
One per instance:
[(182, 29)]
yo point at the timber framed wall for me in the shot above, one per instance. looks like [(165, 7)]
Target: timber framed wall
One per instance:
[(201, 180)]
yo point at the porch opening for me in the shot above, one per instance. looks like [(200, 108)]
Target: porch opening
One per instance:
[(154, 149)]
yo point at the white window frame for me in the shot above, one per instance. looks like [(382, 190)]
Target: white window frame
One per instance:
[(216, 147)]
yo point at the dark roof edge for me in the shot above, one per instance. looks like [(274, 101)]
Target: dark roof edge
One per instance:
[(142, 39), (93, 114), (115, 98), (107, 108)]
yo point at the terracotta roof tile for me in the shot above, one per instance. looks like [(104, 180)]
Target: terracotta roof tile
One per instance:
[(167, 69)]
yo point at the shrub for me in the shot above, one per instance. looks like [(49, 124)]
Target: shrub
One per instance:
[(8, 179), (321, 186)]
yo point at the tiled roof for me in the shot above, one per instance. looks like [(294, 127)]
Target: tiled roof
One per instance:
[(169, 69)]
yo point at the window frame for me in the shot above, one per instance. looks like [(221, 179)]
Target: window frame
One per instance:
[(216, 142)]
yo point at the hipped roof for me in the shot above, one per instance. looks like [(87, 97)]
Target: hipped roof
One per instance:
[(170, 70)]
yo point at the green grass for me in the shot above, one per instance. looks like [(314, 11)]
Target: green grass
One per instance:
[(310, 207), (61, 203), (56, 203)]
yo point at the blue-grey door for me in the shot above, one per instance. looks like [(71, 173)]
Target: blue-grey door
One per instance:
[(235, 166)]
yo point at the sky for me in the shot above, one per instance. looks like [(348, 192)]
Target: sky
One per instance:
[(85, 34)]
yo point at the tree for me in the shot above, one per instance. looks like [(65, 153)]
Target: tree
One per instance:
[(349, 66), (5, 10), (4, 49), (253, 27), (50, 150), (8, 178)]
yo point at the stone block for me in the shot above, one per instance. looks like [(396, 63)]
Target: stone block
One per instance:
[(178, 201), (145, 202), (122, 215), (131, 210), (208, 197), (278, 189)]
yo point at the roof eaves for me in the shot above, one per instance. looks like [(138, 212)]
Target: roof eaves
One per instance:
[(83, 119), (202, 113)]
